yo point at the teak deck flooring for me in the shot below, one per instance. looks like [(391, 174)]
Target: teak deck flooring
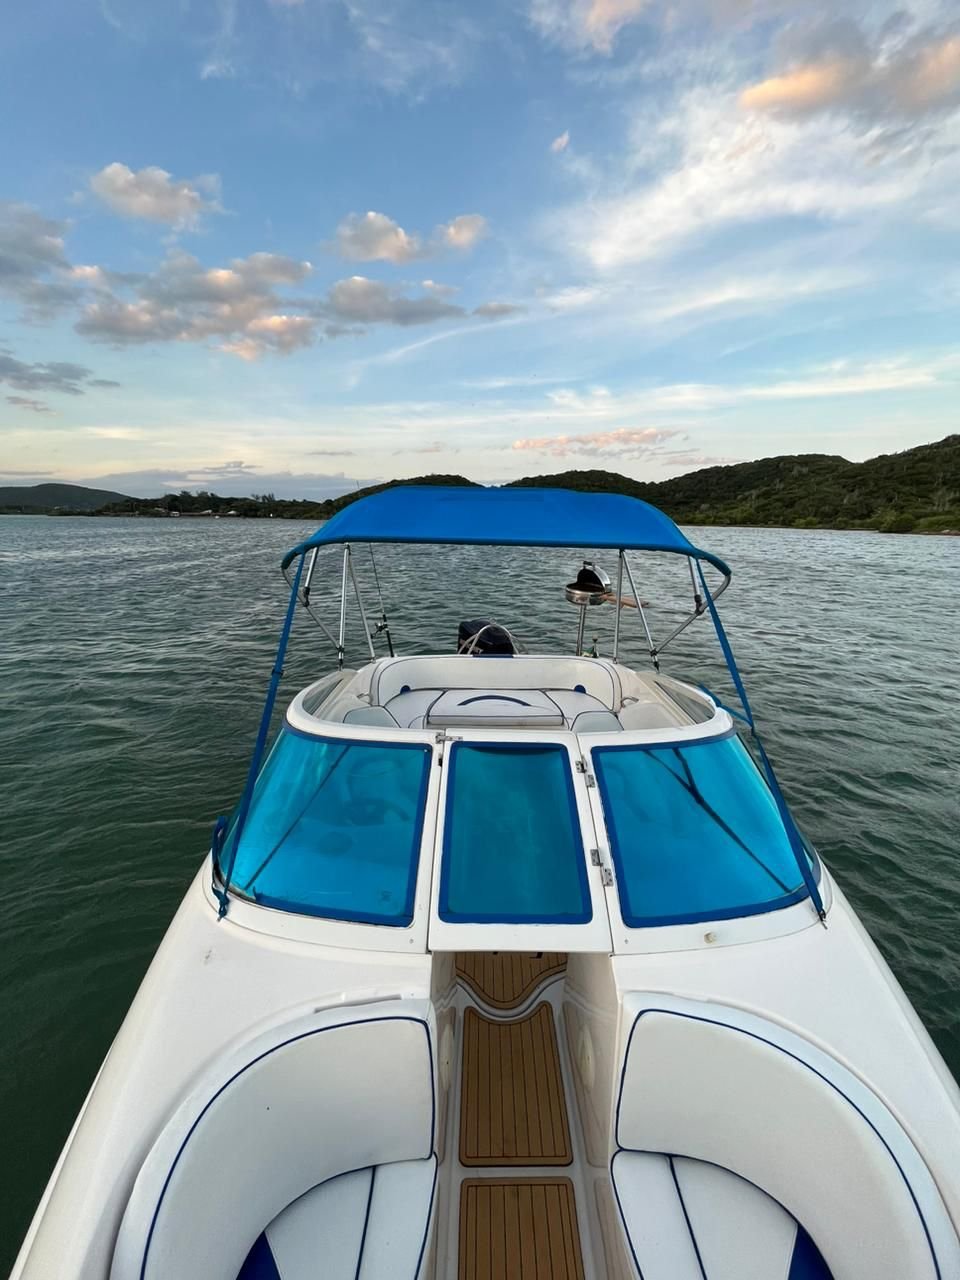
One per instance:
[(519, 1229), (512, 1108), (504, 979)]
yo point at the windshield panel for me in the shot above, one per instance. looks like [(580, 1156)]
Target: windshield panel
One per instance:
[(334, 829), (512, 850), (695, 833)]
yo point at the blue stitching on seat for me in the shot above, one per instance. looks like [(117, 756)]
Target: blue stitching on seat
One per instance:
[(686, 1218), (426, 1229), (623, 1216), (675, 1155), (366, 1222), (692, 1017), (266, 1053)]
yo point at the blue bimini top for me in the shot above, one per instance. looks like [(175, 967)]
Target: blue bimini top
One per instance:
[(505, 517)]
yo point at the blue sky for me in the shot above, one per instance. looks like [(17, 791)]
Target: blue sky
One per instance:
[(290, 245)]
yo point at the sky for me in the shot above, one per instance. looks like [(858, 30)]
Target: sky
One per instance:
[(291, 246)]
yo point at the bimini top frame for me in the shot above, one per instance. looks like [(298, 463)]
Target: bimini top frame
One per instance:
[(504, 517)]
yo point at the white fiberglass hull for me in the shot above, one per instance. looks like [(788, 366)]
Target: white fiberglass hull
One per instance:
[(796, 1063)]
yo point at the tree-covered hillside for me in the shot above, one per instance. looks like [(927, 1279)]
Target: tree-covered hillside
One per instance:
[(918, 489), (203, 503), (898, 492)]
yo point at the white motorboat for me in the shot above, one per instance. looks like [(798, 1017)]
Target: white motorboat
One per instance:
[(511, 966)]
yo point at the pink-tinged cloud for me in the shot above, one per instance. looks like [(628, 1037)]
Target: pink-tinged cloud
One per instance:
[(621, 442), (921, 75), (691, 460)]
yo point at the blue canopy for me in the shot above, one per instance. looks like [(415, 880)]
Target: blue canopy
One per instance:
[(505, 517)]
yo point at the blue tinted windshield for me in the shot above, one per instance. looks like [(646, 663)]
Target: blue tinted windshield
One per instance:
[(695, 833), (512, 851), (334, 829)]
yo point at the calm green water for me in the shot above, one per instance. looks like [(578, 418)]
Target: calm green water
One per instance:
[(133, 660)]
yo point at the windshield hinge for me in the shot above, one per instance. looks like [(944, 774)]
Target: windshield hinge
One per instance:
[(595, 858), (606, 877), (442, 736), (588, 778)]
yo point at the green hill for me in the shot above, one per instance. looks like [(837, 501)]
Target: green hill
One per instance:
[(918, 489), (897, 492), (42, 498)]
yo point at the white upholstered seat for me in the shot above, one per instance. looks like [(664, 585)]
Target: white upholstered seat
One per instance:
[(718, 1085), (686, 1219), (294, 1108), (370, 1224)]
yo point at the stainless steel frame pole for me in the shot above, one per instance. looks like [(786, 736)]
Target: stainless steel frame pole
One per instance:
[(643, 617), (363, 616), (581, 628), (616, 621), (305, 593), (343, 607)]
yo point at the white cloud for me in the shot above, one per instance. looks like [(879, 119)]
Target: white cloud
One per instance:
[(244, 308), (281, 333), (156, 196), (373, 237), (28, 402), (463, 232), (230, 478), (720, 168), (440, 290), (560, 143), (362, 301), (586, 24), (220, 63), (62, 376), (184, 301), (34, 270), (497, 310), (412, 45)]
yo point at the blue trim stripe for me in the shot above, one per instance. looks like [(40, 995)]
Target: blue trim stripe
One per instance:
[(714, 1022), (338, 1026)]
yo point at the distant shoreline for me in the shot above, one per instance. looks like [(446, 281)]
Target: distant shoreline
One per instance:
[(916, 491), (690, 524)]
